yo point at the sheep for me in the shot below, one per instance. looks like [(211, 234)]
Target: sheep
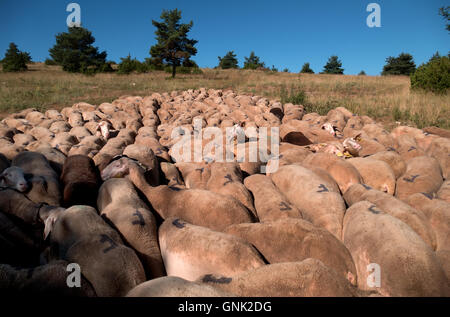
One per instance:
[(119, 203), (173, 286), (80, 180), (226, 179), (80, 132), (343, 173), (270, 203), (4, 162), (44, 180), (440, 150), (14, 177), (34, 214), (307, 191), (444, 191), (423, 175), (398, 209), (286, 235), (191, 251), (19, 244), (45, 280), (408, 265), (307, 278), (59, 126), (23, 139), (198, 207), (375, 173), (436, 210), (393, 159), (79, 235)]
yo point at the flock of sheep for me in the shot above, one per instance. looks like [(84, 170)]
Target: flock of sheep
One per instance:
[(351, 210)]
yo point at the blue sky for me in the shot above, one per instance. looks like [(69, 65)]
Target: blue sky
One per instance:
[(283, 33)]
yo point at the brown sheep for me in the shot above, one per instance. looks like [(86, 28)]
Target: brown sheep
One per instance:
[(191, 251), (79, 235), (308, 192), (408, 265), (294, 240), (199, 207), (307, 278), (80, 180), (119, 203), (270, 203)]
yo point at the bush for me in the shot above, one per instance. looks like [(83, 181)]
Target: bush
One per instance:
[(295, 96), (15, 60), (183, 70), (433, 76), (128, 65), (50, 62)]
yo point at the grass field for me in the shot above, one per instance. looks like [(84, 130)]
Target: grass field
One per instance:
[(387, 99)]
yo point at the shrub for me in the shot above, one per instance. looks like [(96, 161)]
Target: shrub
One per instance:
[(127, 65), (306, 69), (296, 95), (15, 60), (228, 61), (433, 76), (401, 65), (50, 62)]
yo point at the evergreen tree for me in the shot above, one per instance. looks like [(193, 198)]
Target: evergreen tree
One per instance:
[(333, 66), (306, 69), (74, 52), (228, 61), (445, 13), (173, 46), (435, 56), (253, 62), (362, 73), (401, 65), (15, 60)]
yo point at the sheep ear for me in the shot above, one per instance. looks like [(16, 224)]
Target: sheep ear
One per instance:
[(48, 226)]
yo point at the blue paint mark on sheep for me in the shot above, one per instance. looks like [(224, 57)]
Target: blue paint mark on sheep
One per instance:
[(366, 186), (229, 180), (221, 280), (412, 148), (284, 206), (373, 210), (411, 179), (428, 195), (322, 188), (141, 220), (106, 239), (177, 223)]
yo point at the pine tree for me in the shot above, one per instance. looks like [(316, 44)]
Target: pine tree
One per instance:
[(173, 46), (253, 62), (445, 13), (333, 66), (401, 65), (306, 69), (362, 73), (15, 60), (74, 52), (228, 61)]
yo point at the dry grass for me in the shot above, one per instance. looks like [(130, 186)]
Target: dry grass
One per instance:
[(387, 99)]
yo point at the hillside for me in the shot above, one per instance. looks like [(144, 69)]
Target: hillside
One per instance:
[(387, 99)]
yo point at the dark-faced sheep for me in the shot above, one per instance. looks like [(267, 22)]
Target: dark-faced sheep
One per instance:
[(80, 180)]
